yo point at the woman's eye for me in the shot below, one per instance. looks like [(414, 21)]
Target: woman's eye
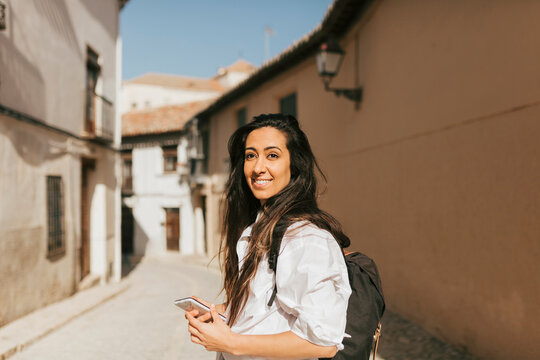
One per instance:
[(273, 156), (250, 156)]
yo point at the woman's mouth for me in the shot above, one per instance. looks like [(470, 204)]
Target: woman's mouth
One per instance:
[(259, 183)]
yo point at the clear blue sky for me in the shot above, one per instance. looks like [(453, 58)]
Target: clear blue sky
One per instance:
[(196, 37)]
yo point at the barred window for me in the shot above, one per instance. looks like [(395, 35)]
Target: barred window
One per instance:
[(55, 216)]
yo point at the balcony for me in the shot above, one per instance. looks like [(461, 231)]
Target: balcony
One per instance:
[(99, 118)]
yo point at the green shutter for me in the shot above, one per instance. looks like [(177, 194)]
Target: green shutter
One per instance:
[(241, 117), (287, 105)]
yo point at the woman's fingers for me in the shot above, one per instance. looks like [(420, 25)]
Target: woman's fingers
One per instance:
[(193, 321), (195, 332), (204, 317), (194, 313), (215, 316), (196, 340)]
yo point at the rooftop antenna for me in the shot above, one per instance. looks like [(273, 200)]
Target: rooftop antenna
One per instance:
[(268, 31)]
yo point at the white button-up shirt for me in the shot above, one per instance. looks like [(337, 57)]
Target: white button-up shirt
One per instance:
[(312, 289)]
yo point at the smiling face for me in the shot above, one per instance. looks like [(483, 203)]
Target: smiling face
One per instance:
[(267, 162)]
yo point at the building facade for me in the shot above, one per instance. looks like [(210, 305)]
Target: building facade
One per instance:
[(59, 142), (434, 172), (162, 208)]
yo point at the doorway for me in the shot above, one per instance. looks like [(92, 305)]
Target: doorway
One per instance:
[(87, 166), (127, 230), (172, 224)]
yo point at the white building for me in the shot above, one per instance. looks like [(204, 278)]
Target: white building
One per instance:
[(162, 210), (59, 140), (154, 90)]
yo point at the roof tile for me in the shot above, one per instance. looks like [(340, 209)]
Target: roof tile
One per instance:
[(160, 120)]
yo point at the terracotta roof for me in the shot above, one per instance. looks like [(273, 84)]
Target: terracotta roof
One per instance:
[(160, 120), (177, 81), (241, 65)]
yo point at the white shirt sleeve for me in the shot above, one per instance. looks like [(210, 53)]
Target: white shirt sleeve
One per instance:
[(313, 285)]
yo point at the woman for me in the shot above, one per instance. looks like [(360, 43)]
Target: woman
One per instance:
[(273, 179)]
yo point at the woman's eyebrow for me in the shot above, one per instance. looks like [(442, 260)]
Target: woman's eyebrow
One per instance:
[(265, 149)]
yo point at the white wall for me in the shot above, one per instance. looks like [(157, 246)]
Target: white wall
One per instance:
[(154, 191), (152, 96), (232, 78)]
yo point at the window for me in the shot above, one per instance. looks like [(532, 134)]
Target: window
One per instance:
[(127, 173), (92, 74), (55, 216), (205, 137), (287, 105), (170, 158), (241, 117), (2, 16)]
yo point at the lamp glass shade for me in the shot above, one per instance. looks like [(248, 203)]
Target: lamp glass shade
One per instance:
[(328, 62)]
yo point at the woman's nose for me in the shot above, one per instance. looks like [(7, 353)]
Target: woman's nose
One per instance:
[(260, 166)]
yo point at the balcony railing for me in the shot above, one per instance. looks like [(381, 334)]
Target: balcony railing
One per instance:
[(99, 117)]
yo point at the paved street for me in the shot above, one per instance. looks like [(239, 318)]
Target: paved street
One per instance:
[(141, 323)]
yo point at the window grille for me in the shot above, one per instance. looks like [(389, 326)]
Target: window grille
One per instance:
[(55, 216)]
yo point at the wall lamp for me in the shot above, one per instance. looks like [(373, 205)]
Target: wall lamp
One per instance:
[(329, 59)]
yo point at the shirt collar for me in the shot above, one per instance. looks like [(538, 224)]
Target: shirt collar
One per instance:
[(247, 231)]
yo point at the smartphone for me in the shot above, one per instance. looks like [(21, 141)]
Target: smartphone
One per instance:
[(190, 303)]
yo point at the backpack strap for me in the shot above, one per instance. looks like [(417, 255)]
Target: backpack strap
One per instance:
[(277, 236)]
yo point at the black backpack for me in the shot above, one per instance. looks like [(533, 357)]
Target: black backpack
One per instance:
[(366, 303)]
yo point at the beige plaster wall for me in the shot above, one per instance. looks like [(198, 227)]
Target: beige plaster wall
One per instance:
[(42, 74), (29, 279), (436, 174), (43, 57)]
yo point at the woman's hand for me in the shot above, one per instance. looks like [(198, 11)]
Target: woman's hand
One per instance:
[(214, 335), (207, 316)]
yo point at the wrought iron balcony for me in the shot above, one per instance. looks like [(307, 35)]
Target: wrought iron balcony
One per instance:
[(99, 118)]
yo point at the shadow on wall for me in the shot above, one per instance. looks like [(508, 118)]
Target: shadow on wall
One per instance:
[(57, 15), (130, 230), (21, 84), (32, 148)]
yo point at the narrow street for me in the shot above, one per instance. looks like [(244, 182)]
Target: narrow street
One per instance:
[(140, 323), (143, 323)]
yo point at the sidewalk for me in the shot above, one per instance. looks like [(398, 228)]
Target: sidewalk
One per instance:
[(22, 332)]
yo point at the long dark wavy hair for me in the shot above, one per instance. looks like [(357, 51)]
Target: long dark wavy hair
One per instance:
[(296, 202)]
